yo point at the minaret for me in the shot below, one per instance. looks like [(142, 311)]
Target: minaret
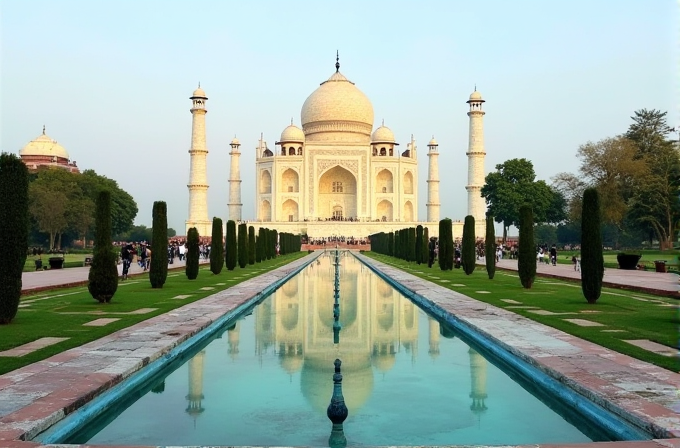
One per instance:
[(433, 205), (235, 204), (195, 395), (476, 154), (433, 338), (198, 175), (477, 381)]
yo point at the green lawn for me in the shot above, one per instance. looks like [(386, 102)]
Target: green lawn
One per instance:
[(630, 315), (648, 258), (71, 261), (62, 312)]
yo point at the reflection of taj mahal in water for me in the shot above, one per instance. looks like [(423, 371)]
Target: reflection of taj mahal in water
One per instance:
[(296, 323), (336, 175)]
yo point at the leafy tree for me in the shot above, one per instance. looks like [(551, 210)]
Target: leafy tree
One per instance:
[(592, 260), (158, 269), (242, 245), (123, 206), (231, 248), (252, 248), (655, 201), (103, 275), (526, 253), (13, 232), (80, 217), (468, 254), (216, 247), (513, 184), (490, 247), (49, 198), (545, 233), (172, 232), (191, 267), (445, 244)]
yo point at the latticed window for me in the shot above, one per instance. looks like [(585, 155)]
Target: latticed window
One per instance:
[(337, 187)]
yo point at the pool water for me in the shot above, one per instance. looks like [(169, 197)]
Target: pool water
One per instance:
[(267, 379)]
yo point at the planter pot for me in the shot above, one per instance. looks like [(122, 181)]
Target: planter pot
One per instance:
[(660, 265), (628, 261), (56, 263)]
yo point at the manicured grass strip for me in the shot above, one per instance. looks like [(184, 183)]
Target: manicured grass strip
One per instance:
[(631, 314), (62, 312)]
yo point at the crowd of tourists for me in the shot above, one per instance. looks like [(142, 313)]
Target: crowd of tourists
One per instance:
[(140, 253), (352, 241)]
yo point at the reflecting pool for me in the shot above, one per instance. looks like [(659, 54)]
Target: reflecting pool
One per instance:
[(267, 379)]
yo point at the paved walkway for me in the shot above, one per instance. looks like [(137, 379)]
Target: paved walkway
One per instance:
[(646, 281), (41, 280), (34, 397)]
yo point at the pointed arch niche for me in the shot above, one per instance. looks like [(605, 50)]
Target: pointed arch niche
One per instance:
[(408, 183), (408, 212), (290, 211), (290, 181), (384, 211), (265, 182), (384, 182), (337, 188), (265, 211)]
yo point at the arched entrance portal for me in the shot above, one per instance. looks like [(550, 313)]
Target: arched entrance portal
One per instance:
[(337, 195)]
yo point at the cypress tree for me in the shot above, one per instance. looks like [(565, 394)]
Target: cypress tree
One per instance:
[(231, 249), (490, 247), (158, 269), (103, 275), (13, 232), (445, 244), (275, 242), (390, 244), (412, 244), (192, 254), (526, 253), (468, 254), (251, 245), (242, 245), (425, 256), (592, 260), (259, 251), (217, 247), (419, 244)]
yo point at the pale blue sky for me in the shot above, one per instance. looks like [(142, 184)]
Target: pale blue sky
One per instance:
[(112, 80)]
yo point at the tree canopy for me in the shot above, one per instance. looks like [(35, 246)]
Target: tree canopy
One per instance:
[(512, 185)]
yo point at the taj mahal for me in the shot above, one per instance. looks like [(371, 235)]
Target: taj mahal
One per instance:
[(335, 176)]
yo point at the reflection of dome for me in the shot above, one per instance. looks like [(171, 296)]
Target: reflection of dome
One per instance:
[(290, 288), (291, 363), (337, 100), (43, 145), (386, 316), (292, 134), (382, 135), (317, 382), (384, 362), (384, 289), (289, 316)]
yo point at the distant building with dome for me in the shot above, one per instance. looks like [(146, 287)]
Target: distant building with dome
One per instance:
[(44, 152), (335, 175)]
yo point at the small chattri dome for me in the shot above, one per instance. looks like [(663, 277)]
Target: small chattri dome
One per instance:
[(433, 142), (235, 141), (383, 134), (292, 133), (475, 96), (43, 145), (198, 93)]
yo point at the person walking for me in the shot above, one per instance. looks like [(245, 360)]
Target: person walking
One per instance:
[(553, 255), (126, 254)]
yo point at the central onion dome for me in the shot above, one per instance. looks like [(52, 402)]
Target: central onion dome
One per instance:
[(337, 105), (43, 145)]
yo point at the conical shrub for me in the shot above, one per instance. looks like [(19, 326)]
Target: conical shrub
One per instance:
[(191, 268), (103, 275), (158, 269)]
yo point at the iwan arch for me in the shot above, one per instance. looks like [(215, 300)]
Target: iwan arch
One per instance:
[(336, 176)]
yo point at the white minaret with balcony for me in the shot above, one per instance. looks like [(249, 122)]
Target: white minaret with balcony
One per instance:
[(433, 205), (235, 205), (198, 174), (476, 205)]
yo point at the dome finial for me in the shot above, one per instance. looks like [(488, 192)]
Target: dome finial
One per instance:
[(475, 87), (337, 61), (383, 122), (291, 121), (43, 129)]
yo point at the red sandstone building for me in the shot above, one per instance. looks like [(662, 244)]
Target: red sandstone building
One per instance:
[(43, 152)]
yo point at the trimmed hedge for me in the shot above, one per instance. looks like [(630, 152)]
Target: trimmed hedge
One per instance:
[(468, 253), (158, 268), (490, 247), (217, 247), (242, 245), (592, 260), (231, 249), (191, 268), (526, 253), (252, 249), (14, 225), (103, 275)]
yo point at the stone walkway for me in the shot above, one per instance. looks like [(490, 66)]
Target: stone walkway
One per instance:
[(36, 396)]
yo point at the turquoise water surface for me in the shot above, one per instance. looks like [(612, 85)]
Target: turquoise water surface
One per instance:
[(267, 380)]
